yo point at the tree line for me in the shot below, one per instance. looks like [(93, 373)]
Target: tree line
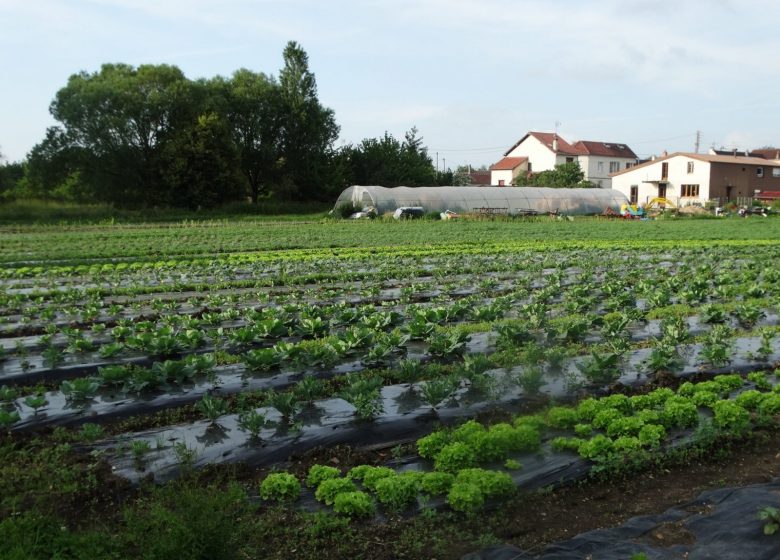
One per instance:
[(149, 136)]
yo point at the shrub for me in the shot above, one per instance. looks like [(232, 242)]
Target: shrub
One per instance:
[(320, 473), (561, 417), (729, 382), (331, 487), (281, 487), (396, 492), (436, 483), (353, 504), (454, 457), (512, 465), (466, 498)]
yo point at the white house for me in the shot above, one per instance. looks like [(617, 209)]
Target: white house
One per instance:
[(688, 178), (540, 151)]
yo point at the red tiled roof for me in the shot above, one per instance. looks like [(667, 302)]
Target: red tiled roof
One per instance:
[(581, 148), (508, 163), (564, 147), (606, 149), (479, 177)]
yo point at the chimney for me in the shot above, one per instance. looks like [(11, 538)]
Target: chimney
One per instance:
[(555, 143), (735, 152), (777, 154), (664, 153)]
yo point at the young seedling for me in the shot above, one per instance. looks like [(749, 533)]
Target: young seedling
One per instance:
[(212, 408), (252, 421), (437, 391), (79, 390), (36, 402)]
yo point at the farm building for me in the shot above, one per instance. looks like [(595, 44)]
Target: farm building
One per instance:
[(688, 178), (492, 200)]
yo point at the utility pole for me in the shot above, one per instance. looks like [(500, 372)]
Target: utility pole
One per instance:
[(698, 141), (444, 164), (437, 163)]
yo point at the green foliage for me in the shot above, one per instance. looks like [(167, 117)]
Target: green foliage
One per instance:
[(562, 417), (437, 483), (563, 175), (490, 483), (465, 497), (319, 473), (36, 535), (187, 522), (771, 518), (430, 446), (454, 457), (396, 492), (280, 487), (730, 416), (331, 487), (353, 504)]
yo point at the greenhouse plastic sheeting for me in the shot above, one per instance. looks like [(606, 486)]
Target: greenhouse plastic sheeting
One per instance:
[(493, 200)]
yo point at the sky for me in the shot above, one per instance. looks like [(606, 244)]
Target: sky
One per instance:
[(472, 75)]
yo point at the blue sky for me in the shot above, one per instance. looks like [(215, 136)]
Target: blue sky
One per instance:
[(473, 76)]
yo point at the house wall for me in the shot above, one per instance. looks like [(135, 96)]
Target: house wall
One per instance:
[(496, 176), (742, 178), (647, 178), (539, 155), (601, 178)]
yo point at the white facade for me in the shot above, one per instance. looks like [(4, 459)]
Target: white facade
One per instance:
[(545, 156), (503, 177), (684, 177), (597, 169), (540, 157)]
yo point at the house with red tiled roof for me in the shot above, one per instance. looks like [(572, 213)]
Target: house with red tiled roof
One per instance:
[(688, 178), (541, 151)]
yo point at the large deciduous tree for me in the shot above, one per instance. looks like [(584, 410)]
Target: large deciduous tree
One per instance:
[(122, 117)]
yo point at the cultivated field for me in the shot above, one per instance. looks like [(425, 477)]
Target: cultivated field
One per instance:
[(345, 389)]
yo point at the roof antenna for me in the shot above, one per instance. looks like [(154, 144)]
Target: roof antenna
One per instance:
[(555, 137)]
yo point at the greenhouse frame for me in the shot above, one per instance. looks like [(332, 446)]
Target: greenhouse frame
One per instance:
[(511, 201)]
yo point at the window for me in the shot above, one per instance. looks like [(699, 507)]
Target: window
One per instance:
[(665, 170), (634, 196), (529, 167), (501, 183), (600, 167), (690, 167), (689, 191), (569, 160), (776, 172), (759, 171), (614, 166)]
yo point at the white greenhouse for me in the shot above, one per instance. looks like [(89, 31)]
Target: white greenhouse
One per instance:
[(485, 200)]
